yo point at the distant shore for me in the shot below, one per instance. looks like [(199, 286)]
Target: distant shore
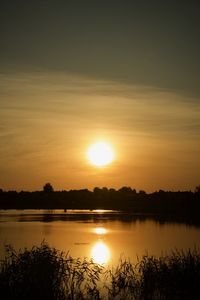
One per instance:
[(177, 206)]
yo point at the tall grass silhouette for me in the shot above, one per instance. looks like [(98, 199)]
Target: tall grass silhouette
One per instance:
[(44, 272)]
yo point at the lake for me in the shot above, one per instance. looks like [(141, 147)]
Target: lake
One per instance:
[(104, 236)]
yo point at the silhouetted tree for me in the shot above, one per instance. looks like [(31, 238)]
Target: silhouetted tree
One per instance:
[(141, 192), (197, 189), (96, 190), (125, 189), (161, 191), (112, 190), (48, 188), (105, 189)]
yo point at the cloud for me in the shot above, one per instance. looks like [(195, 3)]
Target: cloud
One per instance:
[(72, 99)]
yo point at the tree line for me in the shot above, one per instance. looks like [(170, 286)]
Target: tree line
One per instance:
[(180, 203)]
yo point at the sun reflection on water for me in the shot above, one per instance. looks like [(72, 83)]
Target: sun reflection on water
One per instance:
[(100, 252), (100, 230)]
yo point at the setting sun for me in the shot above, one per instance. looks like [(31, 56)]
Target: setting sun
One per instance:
[(100, 154)]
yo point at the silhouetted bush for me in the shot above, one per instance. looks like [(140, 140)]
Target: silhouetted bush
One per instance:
[(171, 277), (46, 273)]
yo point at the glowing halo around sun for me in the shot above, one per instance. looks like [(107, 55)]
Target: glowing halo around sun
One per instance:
[(100, 154)]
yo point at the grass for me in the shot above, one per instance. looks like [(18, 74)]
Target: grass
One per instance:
[(44, 272)]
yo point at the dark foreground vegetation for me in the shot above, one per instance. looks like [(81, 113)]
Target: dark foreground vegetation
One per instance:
[(46, 273), (183, 205)]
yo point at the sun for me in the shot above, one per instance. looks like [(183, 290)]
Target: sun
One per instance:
[(100, 154)]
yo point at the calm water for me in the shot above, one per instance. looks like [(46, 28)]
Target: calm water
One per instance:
[(104, 236)]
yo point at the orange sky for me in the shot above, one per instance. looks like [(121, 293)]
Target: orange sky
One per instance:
[(73, 72), (57, 116)]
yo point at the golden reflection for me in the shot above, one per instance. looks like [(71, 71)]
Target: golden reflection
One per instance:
[(100, 253), (99, 210), (100, 230)]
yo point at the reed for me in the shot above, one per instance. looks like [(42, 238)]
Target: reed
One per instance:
[(44, 272)]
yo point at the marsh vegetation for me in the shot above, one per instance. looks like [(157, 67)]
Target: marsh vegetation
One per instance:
[(44, 272)]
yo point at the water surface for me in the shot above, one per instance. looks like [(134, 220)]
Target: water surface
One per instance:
[(104, 236)]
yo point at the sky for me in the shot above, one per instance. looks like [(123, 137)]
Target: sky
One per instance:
[(75, 72)]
